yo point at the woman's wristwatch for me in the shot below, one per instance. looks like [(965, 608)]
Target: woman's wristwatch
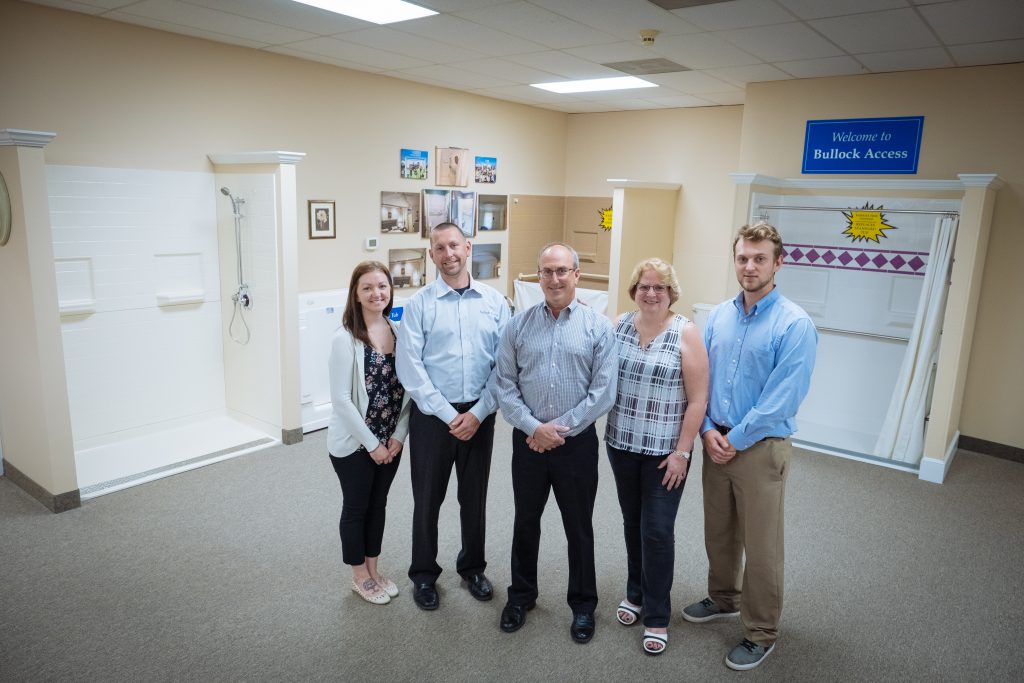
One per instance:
[(685, 455)]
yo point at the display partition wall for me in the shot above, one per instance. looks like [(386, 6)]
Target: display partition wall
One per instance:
[(865, 258)]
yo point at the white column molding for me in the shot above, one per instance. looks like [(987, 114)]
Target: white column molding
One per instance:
[(239, 158), (988, 180), (16, 137)]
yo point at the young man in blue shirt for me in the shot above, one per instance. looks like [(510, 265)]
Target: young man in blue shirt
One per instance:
[(762, 348)]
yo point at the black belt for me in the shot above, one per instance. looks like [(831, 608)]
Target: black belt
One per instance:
[(463, 407)]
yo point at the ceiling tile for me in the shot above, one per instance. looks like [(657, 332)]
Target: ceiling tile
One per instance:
[(506, 70), (826, 66), (782, 42), (907, 60), (195, 17), (385, 38), (418, 79), (611, 52), (182, 30), (679, 101), (457, 77), (345, 64), (624, 104), (755, 73), (816, 9), (976, 21), (620, 18), (900, 29), (1001, 52), (584, 107), (291, 14), (457, 31), (526, 93), (723, 16), (455, 5), (336, 48), (534, 23), (690, 82), (702, 51), (564, 65), (85, 6)]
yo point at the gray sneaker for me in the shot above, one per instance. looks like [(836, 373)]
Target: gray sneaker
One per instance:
[(705, 610), (747, 655)]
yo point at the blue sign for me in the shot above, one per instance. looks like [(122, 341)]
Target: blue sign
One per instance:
[(889, 145), (396, 313)]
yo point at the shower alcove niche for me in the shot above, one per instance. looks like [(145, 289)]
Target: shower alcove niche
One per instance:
[(872, 262), (160, 378)]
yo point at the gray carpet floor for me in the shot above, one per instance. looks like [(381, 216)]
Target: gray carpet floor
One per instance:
[(233, 572)]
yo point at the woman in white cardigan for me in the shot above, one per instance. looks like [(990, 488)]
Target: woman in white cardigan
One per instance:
[(369, 421)]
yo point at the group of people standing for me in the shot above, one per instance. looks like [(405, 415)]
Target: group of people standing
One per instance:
[(554, 369)]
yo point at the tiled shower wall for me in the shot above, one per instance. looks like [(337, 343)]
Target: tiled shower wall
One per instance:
[(138, 284)]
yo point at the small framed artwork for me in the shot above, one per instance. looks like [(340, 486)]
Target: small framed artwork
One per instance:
[(435, 209), (486, 263), (413, 164), (492, 212), (452, 166), (408, 267), (321, 219), (486, 169), (462, 211), (400, 212)]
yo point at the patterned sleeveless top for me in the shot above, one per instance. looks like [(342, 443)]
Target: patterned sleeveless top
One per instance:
[(649, 409), (383, 391)]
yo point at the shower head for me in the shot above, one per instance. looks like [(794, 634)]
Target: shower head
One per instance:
[(225, 191), (234, 202)]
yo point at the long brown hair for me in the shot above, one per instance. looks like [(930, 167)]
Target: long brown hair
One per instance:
[(352, 320)]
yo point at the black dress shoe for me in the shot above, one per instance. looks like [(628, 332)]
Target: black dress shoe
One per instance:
[(425, 596), (582, 628), (479, 587), (514, 616)]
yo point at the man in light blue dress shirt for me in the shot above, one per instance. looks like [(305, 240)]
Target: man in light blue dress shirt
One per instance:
[(445, 359), (557, 373), (762, 348)]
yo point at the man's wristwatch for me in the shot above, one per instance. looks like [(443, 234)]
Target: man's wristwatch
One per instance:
[(685, 455)]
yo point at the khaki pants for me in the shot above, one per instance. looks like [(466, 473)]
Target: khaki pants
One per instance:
[(744, 514)]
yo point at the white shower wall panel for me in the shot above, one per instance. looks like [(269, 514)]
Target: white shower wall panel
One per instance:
[(125, 239)]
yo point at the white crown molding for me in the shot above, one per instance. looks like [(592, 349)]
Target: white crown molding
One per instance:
[(989, 180), (15, 137), (746, 178), (241, 158), (633, 184)]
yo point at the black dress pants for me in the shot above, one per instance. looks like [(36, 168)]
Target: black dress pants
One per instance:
[(571, 472), (364, 489), (433, 451)]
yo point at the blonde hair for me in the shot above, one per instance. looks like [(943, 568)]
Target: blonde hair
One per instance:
[(666, 275), (758, 232)]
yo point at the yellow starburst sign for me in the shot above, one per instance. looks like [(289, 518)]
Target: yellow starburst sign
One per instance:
[(866, 224), (606, 218)]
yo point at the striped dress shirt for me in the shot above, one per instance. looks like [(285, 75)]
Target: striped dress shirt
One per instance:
[(562, 370)]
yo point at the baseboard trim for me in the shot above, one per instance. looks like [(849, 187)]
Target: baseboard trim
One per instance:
[(60, 502), (996, 450), (290, 437), (934, 470)]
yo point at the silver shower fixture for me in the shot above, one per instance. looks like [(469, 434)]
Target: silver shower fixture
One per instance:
[(241, 297)]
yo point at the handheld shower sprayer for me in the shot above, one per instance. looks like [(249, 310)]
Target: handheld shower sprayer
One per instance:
[(241, 297)]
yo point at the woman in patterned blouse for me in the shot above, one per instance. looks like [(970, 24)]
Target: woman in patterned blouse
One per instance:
[(369, 421), (662, 396)]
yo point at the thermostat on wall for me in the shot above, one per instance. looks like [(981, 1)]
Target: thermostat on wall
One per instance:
[(371, 243)]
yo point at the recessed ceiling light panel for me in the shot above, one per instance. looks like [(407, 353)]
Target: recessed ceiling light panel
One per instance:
[(377, 11), (595, 85)]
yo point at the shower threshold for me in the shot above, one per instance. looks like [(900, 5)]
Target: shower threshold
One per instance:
[(132, 461)]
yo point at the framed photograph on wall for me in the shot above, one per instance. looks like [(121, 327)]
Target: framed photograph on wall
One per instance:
[(413, 164), (435, 209), (321, 219), (400, 212), (486, 169), (452, 166), (408, 267), (492, 212), (486, 264), (462, 211)]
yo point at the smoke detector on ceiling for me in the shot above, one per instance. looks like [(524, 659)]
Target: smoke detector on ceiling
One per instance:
[(647, 36)]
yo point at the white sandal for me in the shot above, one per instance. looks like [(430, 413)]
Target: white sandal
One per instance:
[(654, 643), (627, 614), (389, 586), (371, 592)]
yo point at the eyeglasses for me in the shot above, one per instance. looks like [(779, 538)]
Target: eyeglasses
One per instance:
[(548, 273), (657, 289)]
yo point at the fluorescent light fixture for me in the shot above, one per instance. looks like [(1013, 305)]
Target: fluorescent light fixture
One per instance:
[(377, 11), (596, 84)]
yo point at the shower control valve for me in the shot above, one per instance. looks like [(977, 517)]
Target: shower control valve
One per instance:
[(242, 297)]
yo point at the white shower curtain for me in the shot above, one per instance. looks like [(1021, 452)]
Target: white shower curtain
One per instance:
[(902, 435)]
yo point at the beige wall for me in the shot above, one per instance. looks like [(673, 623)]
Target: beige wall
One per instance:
[(696, 148), (533, 221), (125, 96), (972, 123)]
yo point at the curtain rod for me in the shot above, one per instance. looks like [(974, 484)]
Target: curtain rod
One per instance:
[(762, 208)]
